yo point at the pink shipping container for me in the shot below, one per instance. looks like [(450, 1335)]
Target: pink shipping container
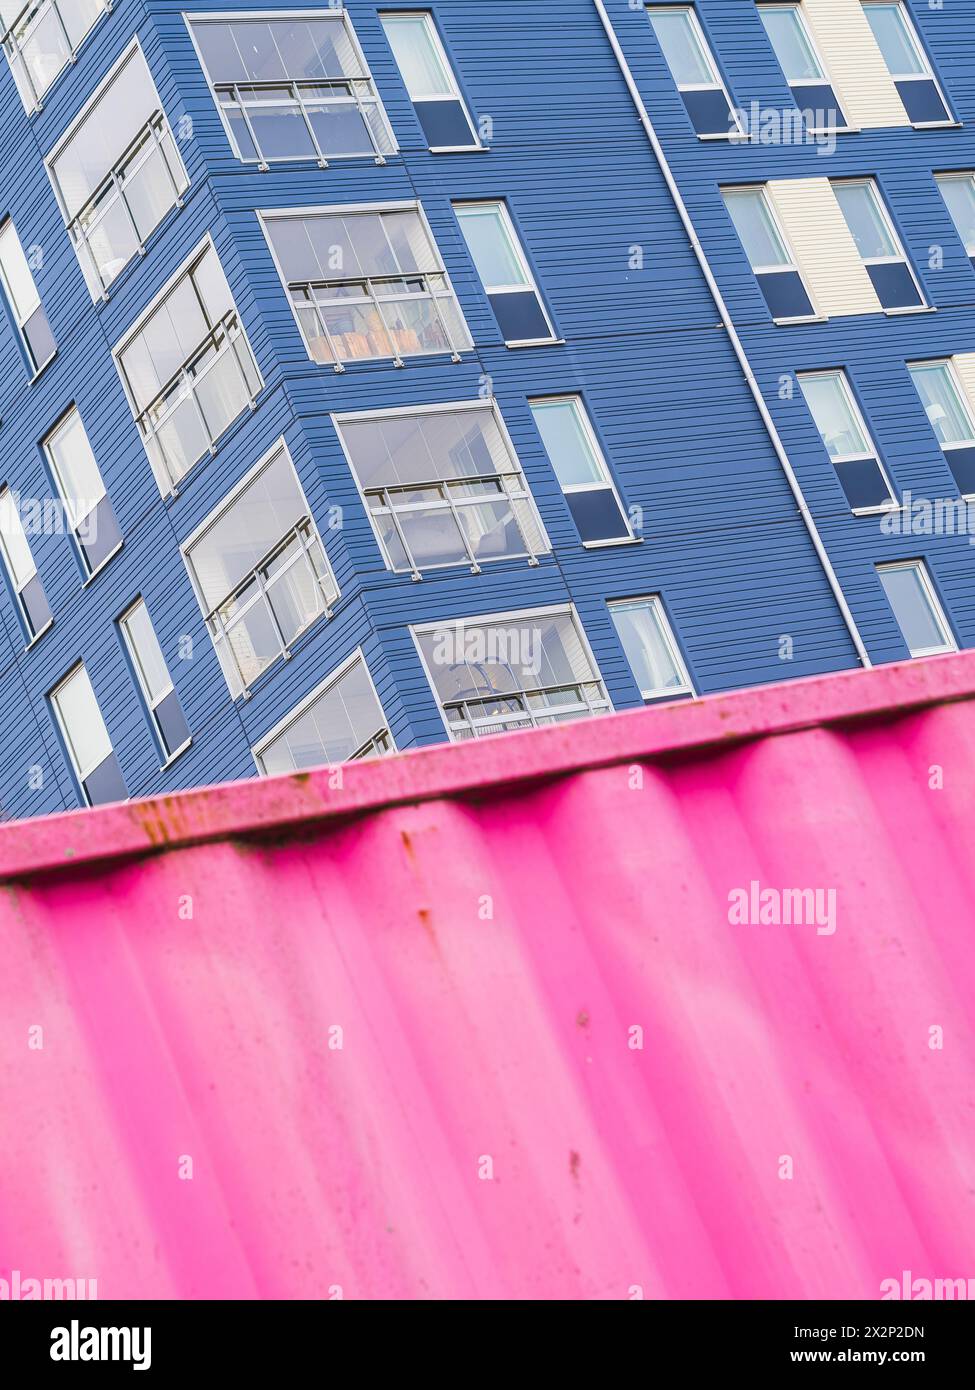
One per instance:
[(481, 1021)]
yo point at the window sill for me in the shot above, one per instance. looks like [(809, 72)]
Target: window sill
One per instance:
[(38, 635), (920, 309), (886, 510), (604, 545), (937, 125), (459, 149), (807, 318), (163, 767), (535, 342), (43, 368), (735, 136), (104, 565)]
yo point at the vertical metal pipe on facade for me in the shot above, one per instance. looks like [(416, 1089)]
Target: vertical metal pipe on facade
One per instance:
[(736, 342)]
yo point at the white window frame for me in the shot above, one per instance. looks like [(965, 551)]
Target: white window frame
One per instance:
[(151, 701), (519, 615), (937, 612), (206, 246), (216, 512), (793, 267), (839, 373), (430, 24), (18, 586), (70, 502), (35, 11), (228, 17), (520, 257), (962, 397), (575, 400), (656, 604), (266, 215), (880, 203), (824, 79), (340, 418), (66, 738), (956, 176), (718, 81), (79, 239), (302, 708), (928, 75), (15, 312)]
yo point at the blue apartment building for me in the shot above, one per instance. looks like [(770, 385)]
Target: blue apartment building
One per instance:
[(378, 374)]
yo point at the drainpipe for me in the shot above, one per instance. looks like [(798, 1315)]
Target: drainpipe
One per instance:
[(736, 342)]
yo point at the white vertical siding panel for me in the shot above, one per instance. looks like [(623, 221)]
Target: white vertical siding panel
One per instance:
[(824, 249), (965, 367), (855, 64)]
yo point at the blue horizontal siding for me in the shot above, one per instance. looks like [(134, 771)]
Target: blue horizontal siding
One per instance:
[(722, 538)]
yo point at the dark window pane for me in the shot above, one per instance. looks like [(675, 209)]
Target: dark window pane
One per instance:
[(863, 483), (105, 783), (962, 464), (36, 606), (895, 286), (444, 123), (597, 515), (172, 723), (819, 106), (922, 101), (40, 339), (785, 294), (101, 534), (709, 111), (520, 316)]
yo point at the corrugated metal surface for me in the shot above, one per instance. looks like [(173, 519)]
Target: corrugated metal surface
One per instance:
[(487, 925)]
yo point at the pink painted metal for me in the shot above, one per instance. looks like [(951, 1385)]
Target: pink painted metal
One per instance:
[(493, 928)]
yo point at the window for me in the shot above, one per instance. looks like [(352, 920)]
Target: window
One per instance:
[(801, 65), (574, 453), (433, 89), (260, 573), (774, 266), (958, 191), (155, 682), (117, 172), (25, 580), (915, 605), (89, 746), (907, 64), (878, 244), (292, 86), (443, 486), (340, 722), (949, 416), (41, 37), (188, 368), (693, 69), (847, 441), (80, 485), (25, 303), (508, 284), (644, 632), (366, 284), (521, 671)]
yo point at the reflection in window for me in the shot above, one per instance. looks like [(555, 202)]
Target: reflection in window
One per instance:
[(293, 88)]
